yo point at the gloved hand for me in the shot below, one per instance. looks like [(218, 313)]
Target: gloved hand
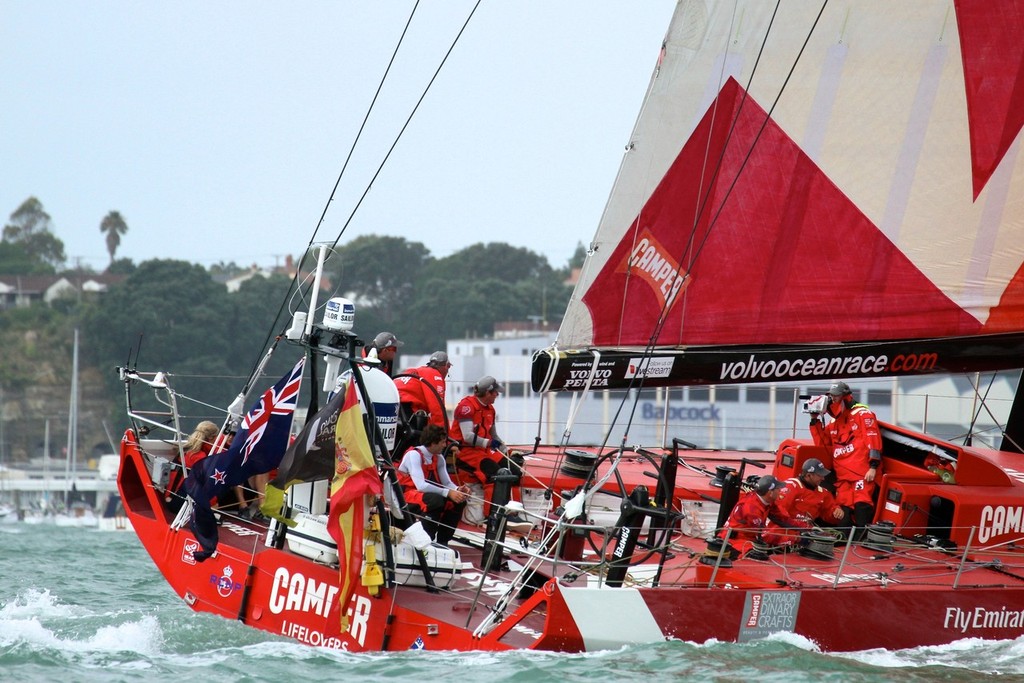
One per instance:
[(496, 445)]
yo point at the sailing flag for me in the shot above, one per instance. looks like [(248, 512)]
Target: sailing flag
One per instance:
[(355, 476), (309, 457), (257, 448)]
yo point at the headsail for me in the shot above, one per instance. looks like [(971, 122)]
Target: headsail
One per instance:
[(811, 178)]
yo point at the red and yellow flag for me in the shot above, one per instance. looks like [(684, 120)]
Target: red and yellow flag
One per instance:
[(355, 476)]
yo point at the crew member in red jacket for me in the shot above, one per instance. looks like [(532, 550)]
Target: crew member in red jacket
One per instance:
[(423, 388), (853, 438), (749, 517), (427, 487), (481, 450), (803, 503)]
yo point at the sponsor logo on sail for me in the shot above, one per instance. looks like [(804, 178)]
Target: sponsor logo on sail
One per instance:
[(650, 261)]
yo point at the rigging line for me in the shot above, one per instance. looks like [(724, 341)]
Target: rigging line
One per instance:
[(764, 124), (698, 210), (732, 185), (687, 254), (732, 129), (982, 398), (295, 286), (362, 126), (1001, 428), (690, 252), (702, 206), (405, 125), (663, 317)]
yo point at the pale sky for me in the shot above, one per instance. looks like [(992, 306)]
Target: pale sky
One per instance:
[(218, 129)]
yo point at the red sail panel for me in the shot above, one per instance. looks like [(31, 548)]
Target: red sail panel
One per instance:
[(1007, 315), (779, 254), (992, 49)]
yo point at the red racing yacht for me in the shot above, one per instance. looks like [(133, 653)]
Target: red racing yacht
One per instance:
[(813, 191)]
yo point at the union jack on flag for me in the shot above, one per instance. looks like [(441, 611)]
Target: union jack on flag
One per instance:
[(279, 399), (258, 448)]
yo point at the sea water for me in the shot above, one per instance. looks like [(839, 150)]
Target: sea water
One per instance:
[(79, 606)]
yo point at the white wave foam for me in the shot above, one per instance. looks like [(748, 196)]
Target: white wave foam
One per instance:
[(37, 603), (26, 619), (794, 639), (973, 654)]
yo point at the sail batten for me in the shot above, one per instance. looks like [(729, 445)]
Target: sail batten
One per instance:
[(796, 179)]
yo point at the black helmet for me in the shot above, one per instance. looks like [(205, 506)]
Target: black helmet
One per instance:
[(767, 483), (437, 359), (839, 389), (386, 339), (815, 466)]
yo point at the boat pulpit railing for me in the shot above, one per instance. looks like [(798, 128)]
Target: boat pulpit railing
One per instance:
[(144, 420)]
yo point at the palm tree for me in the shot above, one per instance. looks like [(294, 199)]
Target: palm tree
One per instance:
[(113, 224)]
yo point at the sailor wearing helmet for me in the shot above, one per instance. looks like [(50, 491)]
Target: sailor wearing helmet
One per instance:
[(853, 438), (749, 517), (384, 347), (423, 388), (805, 503)]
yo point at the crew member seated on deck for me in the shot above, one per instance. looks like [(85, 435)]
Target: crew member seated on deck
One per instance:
[(428, 489), (805, 504), (749, 518)]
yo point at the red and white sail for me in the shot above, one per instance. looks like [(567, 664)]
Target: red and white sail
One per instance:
[(808, 173)]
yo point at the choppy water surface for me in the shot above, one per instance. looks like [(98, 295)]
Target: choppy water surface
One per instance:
[(81, 605)]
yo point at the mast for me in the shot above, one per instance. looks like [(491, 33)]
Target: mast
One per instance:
[(71, 465), (46, 465)]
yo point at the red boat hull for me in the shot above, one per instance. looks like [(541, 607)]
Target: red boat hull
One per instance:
[(895, 599)]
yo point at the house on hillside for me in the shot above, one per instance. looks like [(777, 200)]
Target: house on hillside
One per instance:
[(234, 282), (20, 291)]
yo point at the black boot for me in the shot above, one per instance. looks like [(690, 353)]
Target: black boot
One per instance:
[(863, 513)]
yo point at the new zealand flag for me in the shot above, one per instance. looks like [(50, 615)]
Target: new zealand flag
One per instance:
[(257, 448)]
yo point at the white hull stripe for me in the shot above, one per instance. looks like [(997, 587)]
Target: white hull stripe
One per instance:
[(611, 617)]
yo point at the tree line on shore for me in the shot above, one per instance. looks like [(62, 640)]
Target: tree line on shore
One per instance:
[(175, 316)]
